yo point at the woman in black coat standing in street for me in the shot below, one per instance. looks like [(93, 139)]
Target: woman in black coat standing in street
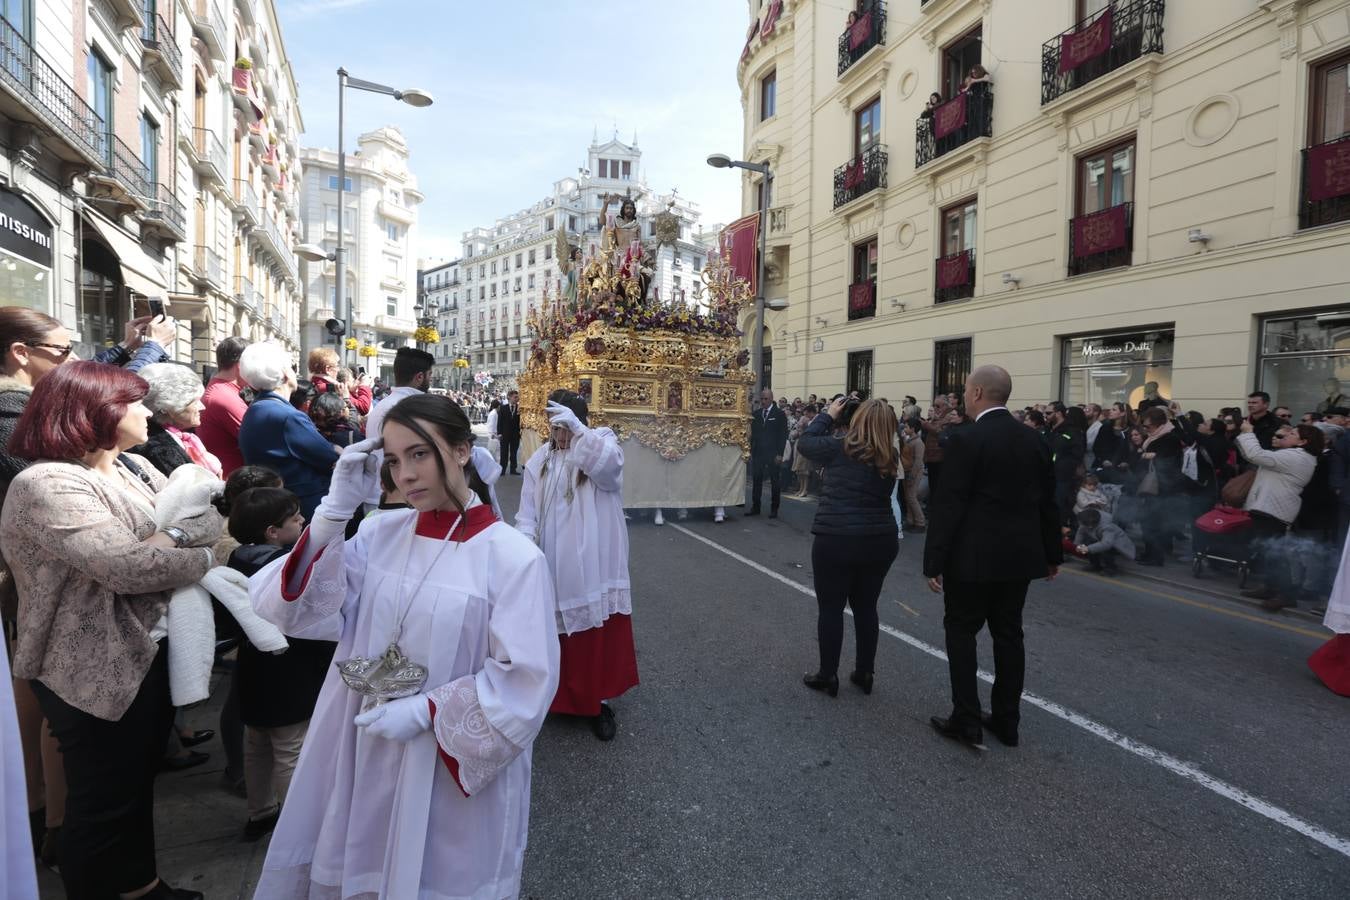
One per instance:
[(855, 530), (1163, 501)]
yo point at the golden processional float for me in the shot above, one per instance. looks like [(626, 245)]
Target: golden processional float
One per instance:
[(670, 379)]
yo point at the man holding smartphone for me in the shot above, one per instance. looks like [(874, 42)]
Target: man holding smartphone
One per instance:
[(147, 341)]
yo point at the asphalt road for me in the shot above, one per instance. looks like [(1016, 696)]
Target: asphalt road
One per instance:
[(1182, 748)]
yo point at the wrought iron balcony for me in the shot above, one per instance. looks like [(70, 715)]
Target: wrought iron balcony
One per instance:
[(32, 91), (208, 22), (244, 294), (275, 242), (160, 50), (1324, 194), (860, 175), (1101, 43), (212, 160), (164, 215), (1101, 240), (247, 200), (209, 267), (954, 277), (124, 179), (867, 32), (962, 119)]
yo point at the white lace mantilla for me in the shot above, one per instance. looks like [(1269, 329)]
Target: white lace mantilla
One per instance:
[(463, 731)]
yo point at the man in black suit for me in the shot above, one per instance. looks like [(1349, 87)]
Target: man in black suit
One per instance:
[(768, 436), (993, 527), (508, 430)]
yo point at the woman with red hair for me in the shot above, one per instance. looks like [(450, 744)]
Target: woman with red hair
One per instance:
[(94, 577)]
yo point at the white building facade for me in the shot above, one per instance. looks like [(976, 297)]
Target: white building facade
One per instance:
[(504, 268), (440, 283), (379, 223)]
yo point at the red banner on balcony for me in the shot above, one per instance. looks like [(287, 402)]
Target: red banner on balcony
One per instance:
[(1085, 44), (953, 271), (1328, 171), (1100, 231), (740, 240), (754, 30), (860, 31), (853, 174), (771, 18), (949, 116), (862, 298)]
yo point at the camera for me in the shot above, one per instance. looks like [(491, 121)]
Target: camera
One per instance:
[(846, 414)]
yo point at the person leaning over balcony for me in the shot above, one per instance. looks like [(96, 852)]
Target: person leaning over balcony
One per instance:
[(977, 82), (94, 576)]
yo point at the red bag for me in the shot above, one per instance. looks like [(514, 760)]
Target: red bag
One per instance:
[(1224, 520)]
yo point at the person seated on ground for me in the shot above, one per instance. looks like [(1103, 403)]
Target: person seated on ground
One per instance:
[(1100, 539), (277, 691)]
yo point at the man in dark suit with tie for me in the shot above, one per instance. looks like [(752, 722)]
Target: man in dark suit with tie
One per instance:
[(993, 527), (508, 430), (768, 436)]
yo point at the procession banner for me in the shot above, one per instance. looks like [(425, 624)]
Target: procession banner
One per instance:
[(950, 116), (954, 270), (860, 32), (862, 299), (1100, 231), (853, 174), (741, 240), (1087, 44), (771, 18), (1328, 171)]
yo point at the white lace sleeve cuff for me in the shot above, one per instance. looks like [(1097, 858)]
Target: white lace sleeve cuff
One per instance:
[(470, 747)]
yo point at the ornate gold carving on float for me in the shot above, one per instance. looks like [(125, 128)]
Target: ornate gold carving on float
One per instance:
[(670, 375)]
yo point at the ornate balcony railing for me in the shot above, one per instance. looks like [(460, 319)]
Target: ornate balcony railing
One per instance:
[(37, 85), (964, 118), (157, 39), (122, 166), (1102, 239), (210, 266), (244, 294), (860, 175), (1103, 42), (868, 31), (247, 198), (209, 23), (1324, 193), (212, 159), (164, 213), (954, 277)]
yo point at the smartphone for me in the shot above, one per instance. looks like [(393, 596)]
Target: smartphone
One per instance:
[(361, 370), (156, 305)]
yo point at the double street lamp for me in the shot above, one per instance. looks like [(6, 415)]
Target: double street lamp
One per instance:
[(426, 318), (314, 253), (722, 161)]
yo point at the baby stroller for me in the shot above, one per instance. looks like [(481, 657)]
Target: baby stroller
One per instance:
[(1223, 535)]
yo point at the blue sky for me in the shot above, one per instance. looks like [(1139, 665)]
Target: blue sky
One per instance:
[(520, 88)]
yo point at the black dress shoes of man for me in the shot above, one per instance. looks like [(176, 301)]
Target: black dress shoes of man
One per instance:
[(753, 512), (1006, 734), (862, 680), (818, 682), (971, 737)]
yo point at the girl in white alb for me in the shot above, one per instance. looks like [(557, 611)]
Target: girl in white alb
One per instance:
[(425, 796)]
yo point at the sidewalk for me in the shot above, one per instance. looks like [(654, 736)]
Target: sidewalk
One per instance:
[(197, 824)]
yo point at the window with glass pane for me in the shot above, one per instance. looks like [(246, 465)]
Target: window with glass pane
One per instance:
[(101, 95), (1106, 178), (19, 14), (958, 228), (1331, 100), (391, 305), (867, 126), (865, 262), (333, 183), (150, 147), (768, 96), (1090, 7)]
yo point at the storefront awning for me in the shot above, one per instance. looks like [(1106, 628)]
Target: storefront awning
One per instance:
[(139, 271)]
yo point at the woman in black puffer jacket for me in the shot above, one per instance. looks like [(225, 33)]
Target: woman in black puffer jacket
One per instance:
[(856, 535)]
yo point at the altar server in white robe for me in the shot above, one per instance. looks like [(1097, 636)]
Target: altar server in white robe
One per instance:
[(425, 796), (571, 505)]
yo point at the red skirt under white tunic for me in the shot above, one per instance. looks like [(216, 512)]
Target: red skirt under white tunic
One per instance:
[(1331, 663), (597, 664)]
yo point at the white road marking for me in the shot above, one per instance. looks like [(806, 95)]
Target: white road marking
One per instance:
[(1143, 751)]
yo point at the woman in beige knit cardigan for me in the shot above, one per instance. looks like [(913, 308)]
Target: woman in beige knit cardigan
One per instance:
[(94, 577)]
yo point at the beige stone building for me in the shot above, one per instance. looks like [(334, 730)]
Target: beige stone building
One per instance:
[(1140, 191)]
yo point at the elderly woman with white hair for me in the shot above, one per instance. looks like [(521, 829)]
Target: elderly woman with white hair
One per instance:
[(279, 436), (175, 404)]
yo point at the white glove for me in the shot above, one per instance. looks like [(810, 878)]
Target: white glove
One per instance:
[(397, 720), (560, 416), (356, 477)]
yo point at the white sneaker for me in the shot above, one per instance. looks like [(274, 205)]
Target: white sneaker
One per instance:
[(719, 514), (658, 519)]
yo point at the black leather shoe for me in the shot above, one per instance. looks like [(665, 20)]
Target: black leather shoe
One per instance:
[(753, 512), (1006, 736), (604, 725), (163, 891), (256, 828), (197, 737), (862, 680), (972, 738), (186, 761), (818, 682)]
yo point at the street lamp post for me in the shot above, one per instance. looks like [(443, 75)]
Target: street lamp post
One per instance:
[(426, 318), (722, 161), (413, 97)]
